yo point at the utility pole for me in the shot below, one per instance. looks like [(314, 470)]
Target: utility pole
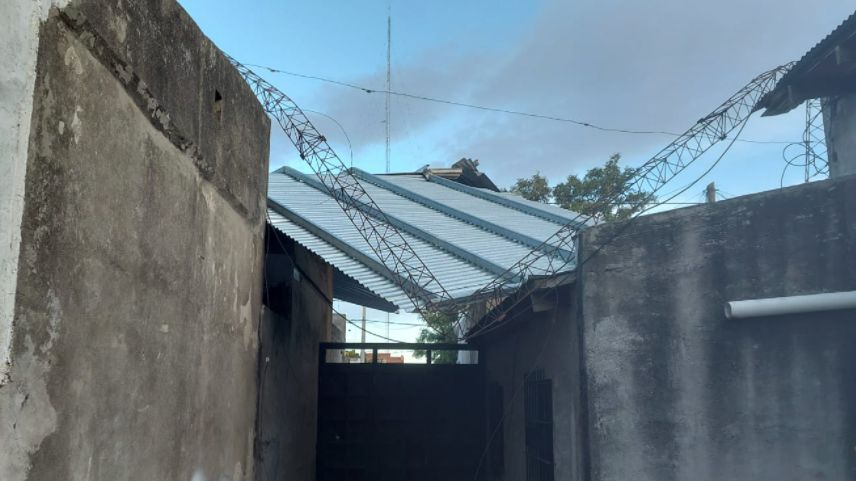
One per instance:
[(710, 193), (363, 336)]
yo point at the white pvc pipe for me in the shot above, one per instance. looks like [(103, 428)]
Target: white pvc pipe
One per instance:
[(777, 306)]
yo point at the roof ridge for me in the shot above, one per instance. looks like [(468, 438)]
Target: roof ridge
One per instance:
[(413, 230), (508, 202), (483, 224)]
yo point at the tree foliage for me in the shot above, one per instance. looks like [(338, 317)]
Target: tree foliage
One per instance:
[(535, 188), (441, 329), (602, 193)]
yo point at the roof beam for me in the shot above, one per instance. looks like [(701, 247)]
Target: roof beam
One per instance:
[(348, 249), (526, 240), (411, 229), (503, 201)]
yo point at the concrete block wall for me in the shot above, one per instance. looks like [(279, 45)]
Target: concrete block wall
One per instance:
[(139, 176), (839, 123), (675, 391)]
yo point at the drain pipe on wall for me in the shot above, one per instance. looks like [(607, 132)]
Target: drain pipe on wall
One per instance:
[(777, 306)]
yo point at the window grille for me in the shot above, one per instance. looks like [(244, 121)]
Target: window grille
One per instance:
[(538, 407)]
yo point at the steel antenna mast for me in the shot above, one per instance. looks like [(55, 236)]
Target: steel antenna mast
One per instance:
[(388, 244), (388, 77), (388, 90)]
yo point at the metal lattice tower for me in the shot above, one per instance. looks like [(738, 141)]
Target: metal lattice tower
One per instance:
[(649, 179), (810, 154), (387, 242)]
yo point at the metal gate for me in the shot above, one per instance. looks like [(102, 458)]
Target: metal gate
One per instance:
[(398, 422)]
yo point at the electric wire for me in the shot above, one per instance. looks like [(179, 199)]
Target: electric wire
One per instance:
[(521, 113), (319, 155), (515, 393), (499, 322), (396, 323), (734, 101), (548, 337)]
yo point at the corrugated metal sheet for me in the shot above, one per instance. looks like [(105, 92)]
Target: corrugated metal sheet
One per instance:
[(810, 70), (490, 212), (459, 274)]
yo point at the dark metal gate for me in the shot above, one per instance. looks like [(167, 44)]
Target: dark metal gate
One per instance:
[(398, 422)]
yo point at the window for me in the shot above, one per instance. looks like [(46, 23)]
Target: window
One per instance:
[(538, 407)]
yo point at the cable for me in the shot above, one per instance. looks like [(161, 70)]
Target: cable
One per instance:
[(348, 138), (516, 392), (396, 341), (580, 123), (627, 203), (549, 336), (499, 322), (396, 323)]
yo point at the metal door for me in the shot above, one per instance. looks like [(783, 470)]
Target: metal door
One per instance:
[(399, 422)]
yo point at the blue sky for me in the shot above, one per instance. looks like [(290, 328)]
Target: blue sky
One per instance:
[(654, 65)]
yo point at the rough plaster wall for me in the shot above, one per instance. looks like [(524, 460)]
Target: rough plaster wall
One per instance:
[(135, 349), (547, 341), (678, 392), (839, 122), (19, 41), (289, 383)]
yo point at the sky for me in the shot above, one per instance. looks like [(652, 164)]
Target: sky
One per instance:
[(652, 65)]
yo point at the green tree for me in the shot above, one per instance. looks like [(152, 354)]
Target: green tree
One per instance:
[(602, 193), (534, 188), (441, 329)]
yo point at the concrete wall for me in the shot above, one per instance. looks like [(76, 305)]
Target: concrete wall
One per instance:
[(676, 391), (839, 122), (289, 371), (545, 340), (19, 42), (134, 350)]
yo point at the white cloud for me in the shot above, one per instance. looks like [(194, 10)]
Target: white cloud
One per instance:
[(659, 64)]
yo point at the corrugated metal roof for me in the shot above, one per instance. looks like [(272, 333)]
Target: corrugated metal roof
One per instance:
[(466, 236), (780, 99), (843, 31)]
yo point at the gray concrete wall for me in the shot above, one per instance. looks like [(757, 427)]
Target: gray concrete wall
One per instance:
[(676, 391), (289, 371), (134, 349), (545, 340), (839, 123), (19, 42)]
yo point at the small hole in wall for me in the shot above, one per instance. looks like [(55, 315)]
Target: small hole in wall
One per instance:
[(218, 105)]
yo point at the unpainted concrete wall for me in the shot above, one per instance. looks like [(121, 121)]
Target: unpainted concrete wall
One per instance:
[(19, 42), (134, 350), (839, 122), (676, 391), (288, 403), (545, 340)]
